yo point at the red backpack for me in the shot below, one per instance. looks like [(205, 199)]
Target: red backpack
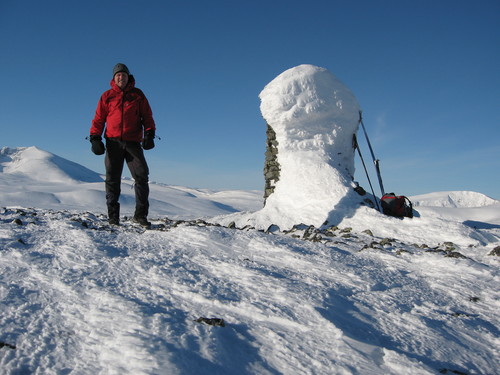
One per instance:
[(397, 205)]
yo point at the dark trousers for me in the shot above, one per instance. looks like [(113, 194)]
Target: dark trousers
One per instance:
[(117, 152)]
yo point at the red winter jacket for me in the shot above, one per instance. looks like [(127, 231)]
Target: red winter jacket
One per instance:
[(126, 113)]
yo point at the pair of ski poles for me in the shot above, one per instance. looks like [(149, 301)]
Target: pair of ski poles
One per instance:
[(376, 162)]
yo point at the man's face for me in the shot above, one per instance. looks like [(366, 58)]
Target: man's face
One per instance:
[(121, 79)]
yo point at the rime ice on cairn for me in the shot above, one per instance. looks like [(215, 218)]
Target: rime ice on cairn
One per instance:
[(314, 117)]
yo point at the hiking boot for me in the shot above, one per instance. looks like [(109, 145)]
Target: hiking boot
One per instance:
[(114, 221), (114, 213), (142, 220)]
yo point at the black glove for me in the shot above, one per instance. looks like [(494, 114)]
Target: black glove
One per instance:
[(148, 142), (97, 145)]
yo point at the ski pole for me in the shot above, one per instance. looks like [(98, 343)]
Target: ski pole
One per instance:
[(375, 160), (356, 146)]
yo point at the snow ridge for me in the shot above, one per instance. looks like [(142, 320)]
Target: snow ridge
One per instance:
[(457, 199)]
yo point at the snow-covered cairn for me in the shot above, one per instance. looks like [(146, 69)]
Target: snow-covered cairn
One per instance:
[(310, 163)]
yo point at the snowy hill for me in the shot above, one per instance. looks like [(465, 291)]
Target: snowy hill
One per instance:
[(31, 177), (373, 295), (39, 165), (458, 199)]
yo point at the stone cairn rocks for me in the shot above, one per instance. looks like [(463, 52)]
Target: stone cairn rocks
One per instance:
[(271, 166)]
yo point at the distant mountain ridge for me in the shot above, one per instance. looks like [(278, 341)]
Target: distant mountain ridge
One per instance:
[(31, 177), (455, 199), (33, 166)]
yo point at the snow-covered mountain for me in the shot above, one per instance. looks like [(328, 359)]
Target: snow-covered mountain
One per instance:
[(36, 178), (458, 199), (371, 295), (39, 165)]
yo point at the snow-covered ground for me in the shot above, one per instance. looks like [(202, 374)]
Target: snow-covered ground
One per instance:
[(374, 295)]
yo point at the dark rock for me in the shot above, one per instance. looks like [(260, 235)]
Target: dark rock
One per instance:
[(448, 371), (316, 238), (449, 246), (402, 251), (368, 202), (495, 251), (330, 232), (310, 232), (271, 166), (459, 314), (273, 229), (455, 254), (217, 322), (358, 189), (10, 346), (386, 241)]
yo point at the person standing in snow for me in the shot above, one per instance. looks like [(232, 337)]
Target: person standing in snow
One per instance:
[(124, 115)]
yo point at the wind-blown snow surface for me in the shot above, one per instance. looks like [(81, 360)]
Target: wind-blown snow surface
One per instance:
[(81, 297)]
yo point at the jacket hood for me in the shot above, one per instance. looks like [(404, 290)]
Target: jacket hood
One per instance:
[(130, 84)]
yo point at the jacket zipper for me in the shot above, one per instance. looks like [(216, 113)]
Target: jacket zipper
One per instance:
[(123, 115)]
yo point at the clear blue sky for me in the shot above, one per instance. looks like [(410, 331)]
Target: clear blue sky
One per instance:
[(426, 74)]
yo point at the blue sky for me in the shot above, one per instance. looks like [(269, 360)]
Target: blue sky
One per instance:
[(426, 74)]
